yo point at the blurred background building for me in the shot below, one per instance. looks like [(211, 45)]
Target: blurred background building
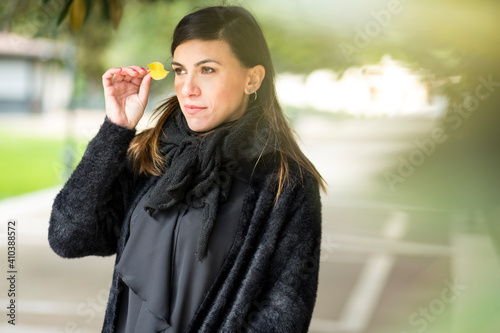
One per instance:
[(36, 75)]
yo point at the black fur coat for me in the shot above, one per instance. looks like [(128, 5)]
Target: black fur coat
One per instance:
[(269, 280)]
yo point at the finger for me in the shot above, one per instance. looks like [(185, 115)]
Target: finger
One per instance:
[(144, 89), (130, 71), (107, 77), (137, 80), (117, 78), (126, 75), (141, 72), (139, 69), (133, 74)]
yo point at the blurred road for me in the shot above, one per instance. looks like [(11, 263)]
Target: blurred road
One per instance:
[(386, 267), (390, 267)]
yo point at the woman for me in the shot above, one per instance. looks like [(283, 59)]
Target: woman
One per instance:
[(214, 213)]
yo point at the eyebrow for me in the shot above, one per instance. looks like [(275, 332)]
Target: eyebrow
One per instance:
[(199, 63)]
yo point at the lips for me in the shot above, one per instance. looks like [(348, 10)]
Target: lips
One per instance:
[(193, 109)]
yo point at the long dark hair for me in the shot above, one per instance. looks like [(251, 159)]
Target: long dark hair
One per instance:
[(237, 27)]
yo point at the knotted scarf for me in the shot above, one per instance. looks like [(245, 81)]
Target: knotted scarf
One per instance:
[(200, 166)]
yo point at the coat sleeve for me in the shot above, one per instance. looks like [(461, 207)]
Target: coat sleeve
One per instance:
[(88, 212), (287, 298)]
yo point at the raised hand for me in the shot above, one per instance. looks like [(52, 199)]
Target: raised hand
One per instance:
[(126, 91)]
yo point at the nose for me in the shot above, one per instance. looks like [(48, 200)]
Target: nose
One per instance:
[(190, 86)]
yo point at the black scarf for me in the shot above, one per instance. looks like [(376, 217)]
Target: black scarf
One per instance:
[(200, 168)]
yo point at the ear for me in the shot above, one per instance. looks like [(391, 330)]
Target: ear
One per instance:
[(255, 76)]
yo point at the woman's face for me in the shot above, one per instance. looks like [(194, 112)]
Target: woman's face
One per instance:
[(210, 83)]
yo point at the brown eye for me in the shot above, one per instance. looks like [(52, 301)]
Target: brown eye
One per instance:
[(207, 70), (179, 71)]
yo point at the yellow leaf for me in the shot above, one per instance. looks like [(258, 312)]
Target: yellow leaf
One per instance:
[(157, 71), (77, 13)]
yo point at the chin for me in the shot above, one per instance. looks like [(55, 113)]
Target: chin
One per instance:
[(198, 126)]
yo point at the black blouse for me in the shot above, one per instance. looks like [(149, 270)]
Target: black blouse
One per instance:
[(164, 284)]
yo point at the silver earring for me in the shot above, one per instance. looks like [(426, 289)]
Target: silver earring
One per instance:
[(254, 94)]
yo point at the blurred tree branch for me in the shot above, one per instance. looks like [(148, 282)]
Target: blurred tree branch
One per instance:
[(91, 25)]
